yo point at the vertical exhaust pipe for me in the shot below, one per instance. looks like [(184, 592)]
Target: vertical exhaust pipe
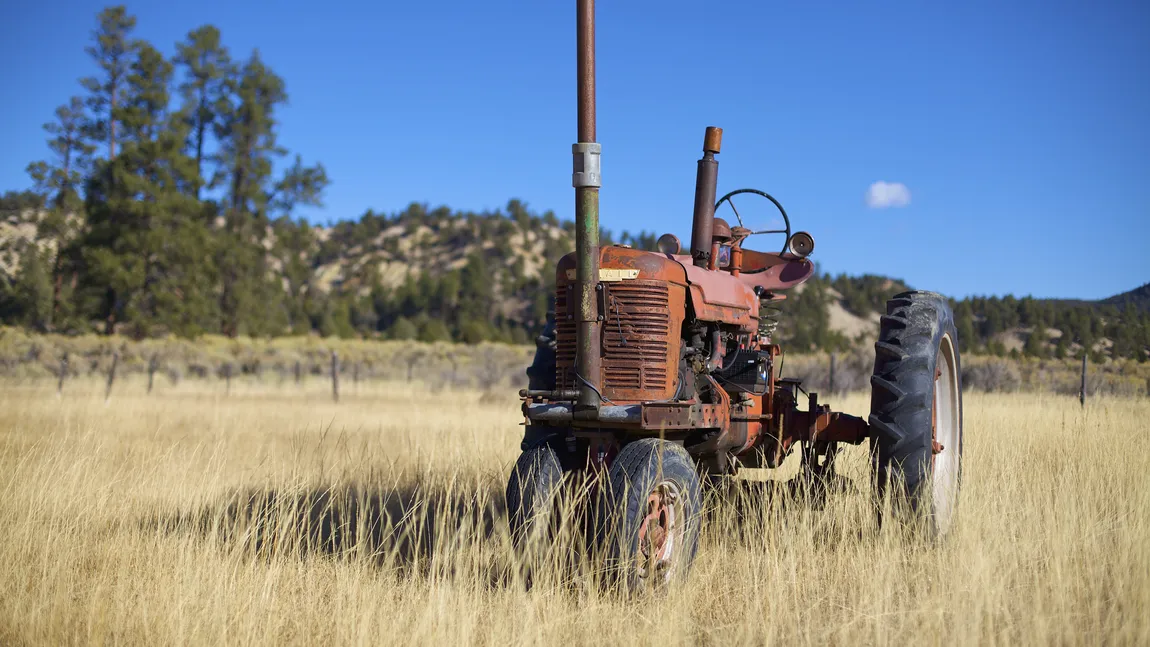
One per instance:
[(706, 182), (585, 178)]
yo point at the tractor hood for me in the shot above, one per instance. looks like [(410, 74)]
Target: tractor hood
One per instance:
[(715, 295), (624, 263)]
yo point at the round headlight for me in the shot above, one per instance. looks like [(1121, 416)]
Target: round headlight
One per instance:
[(669, 244), (801, 244)]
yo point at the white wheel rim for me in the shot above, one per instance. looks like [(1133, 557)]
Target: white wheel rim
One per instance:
[(948, 423), (660, 566)]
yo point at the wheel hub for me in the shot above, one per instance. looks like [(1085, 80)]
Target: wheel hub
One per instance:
[(657, 530), (935, 446)]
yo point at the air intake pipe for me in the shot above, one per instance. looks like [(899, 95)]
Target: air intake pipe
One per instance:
[(585, 178), (706, 183)]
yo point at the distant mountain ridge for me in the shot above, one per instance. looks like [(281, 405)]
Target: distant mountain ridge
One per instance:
[(1138, 298), (438, 274)]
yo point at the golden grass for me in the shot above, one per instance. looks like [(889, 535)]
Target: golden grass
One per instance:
[(274, 516)]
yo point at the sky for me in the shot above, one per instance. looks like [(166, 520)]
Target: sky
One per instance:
[(972, 148)]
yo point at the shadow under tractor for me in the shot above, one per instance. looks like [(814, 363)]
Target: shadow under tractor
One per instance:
[(660, 372)]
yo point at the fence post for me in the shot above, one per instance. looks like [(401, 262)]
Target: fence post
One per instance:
[(227, 379), (412, 360), (298, 374), (111, 376), (1082, 388), (831, 386), (152, 364), (335, 376), (63, 373)]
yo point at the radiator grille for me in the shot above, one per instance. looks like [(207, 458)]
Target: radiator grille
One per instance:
[(635, 335)]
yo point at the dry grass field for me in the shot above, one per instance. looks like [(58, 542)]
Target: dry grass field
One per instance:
[(274, 516)]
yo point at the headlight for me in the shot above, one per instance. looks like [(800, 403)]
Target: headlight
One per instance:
[(669, 244), (801, 244)]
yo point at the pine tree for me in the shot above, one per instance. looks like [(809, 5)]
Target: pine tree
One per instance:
[(59, 181), (148, 249), (247, 149), (32, 290), (402, 329), (206, 67), (246, 134), (1036, 342), (299, 185), (113, 52)]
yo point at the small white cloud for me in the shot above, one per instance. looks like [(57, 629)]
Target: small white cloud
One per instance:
[(881, 195)]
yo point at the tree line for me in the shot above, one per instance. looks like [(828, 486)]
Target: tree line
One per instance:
[(168, 206), (153, 209), (1002, 326)]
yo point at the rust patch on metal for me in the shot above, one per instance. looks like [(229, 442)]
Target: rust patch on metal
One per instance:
[(639, 335), (825, 426)]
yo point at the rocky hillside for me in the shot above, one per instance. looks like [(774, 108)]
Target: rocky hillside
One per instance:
[(440, 275)]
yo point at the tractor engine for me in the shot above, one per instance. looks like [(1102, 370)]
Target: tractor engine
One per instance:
[(653, 347), (671, 343)]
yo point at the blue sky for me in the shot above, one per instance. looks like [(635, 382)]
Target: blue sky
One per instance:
[(1021, 130)]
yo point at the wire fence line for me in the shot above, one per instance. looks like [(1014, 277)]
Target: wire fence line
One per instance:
[(486, 366), (347, 363)]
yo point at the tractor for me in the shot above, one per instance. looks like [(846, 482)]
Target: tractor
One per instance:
[(660, 373)]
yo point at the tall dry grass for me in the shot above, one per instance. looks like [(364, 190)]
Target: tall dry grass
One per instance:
[(274, 516)]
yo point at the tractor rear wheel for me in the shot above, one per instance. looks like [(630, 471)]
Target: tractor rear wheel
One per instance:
[(916, 409), (650, 521)]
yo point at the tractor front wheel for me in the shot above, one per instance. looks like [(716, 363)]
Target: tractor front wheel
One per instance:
[(652, 513), (916, 409), (533, 497)]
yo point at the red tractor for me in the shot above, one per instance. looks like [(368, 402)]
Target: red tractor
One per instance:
[(665, 374)]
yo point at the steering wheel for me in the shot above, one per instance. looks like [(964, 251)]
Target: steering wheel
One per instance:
[(787, 231)]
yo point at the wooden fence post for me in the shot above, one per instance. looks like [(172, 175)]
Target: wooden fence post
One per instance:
[(1082, 388), (412, 360), (111, 376), (153, 363), (831, 386), (335, 376), (228, 379), (63, 374), (298, 372)]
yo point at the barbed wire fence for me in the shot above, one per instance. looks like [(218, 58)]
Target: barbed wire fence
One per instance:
[(348, 371), (483, 368)]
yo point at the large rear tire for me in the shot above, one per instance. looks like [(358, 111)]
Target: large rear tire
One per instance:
[(916, 410), (651, 520)]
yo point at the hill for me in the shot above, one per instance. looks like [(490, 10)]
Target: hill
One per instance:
[(439, 275), (1138, 299)]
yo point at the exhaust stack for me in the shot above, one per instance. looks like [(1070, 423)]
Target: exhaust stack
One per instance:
[(706, 182), (585, 179)]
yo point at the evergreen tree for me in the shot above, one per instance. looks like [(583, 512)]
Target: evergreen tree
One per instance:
[(32, 290), (1036, 343), (206, 67), (433, 330), (402, 329), (148, 247), (59, 180), (246, 133), (113, 52)]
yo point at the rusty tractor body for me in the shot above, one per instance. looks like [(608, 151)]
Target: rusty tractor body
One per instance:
[(666, 373), (686, 355)]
